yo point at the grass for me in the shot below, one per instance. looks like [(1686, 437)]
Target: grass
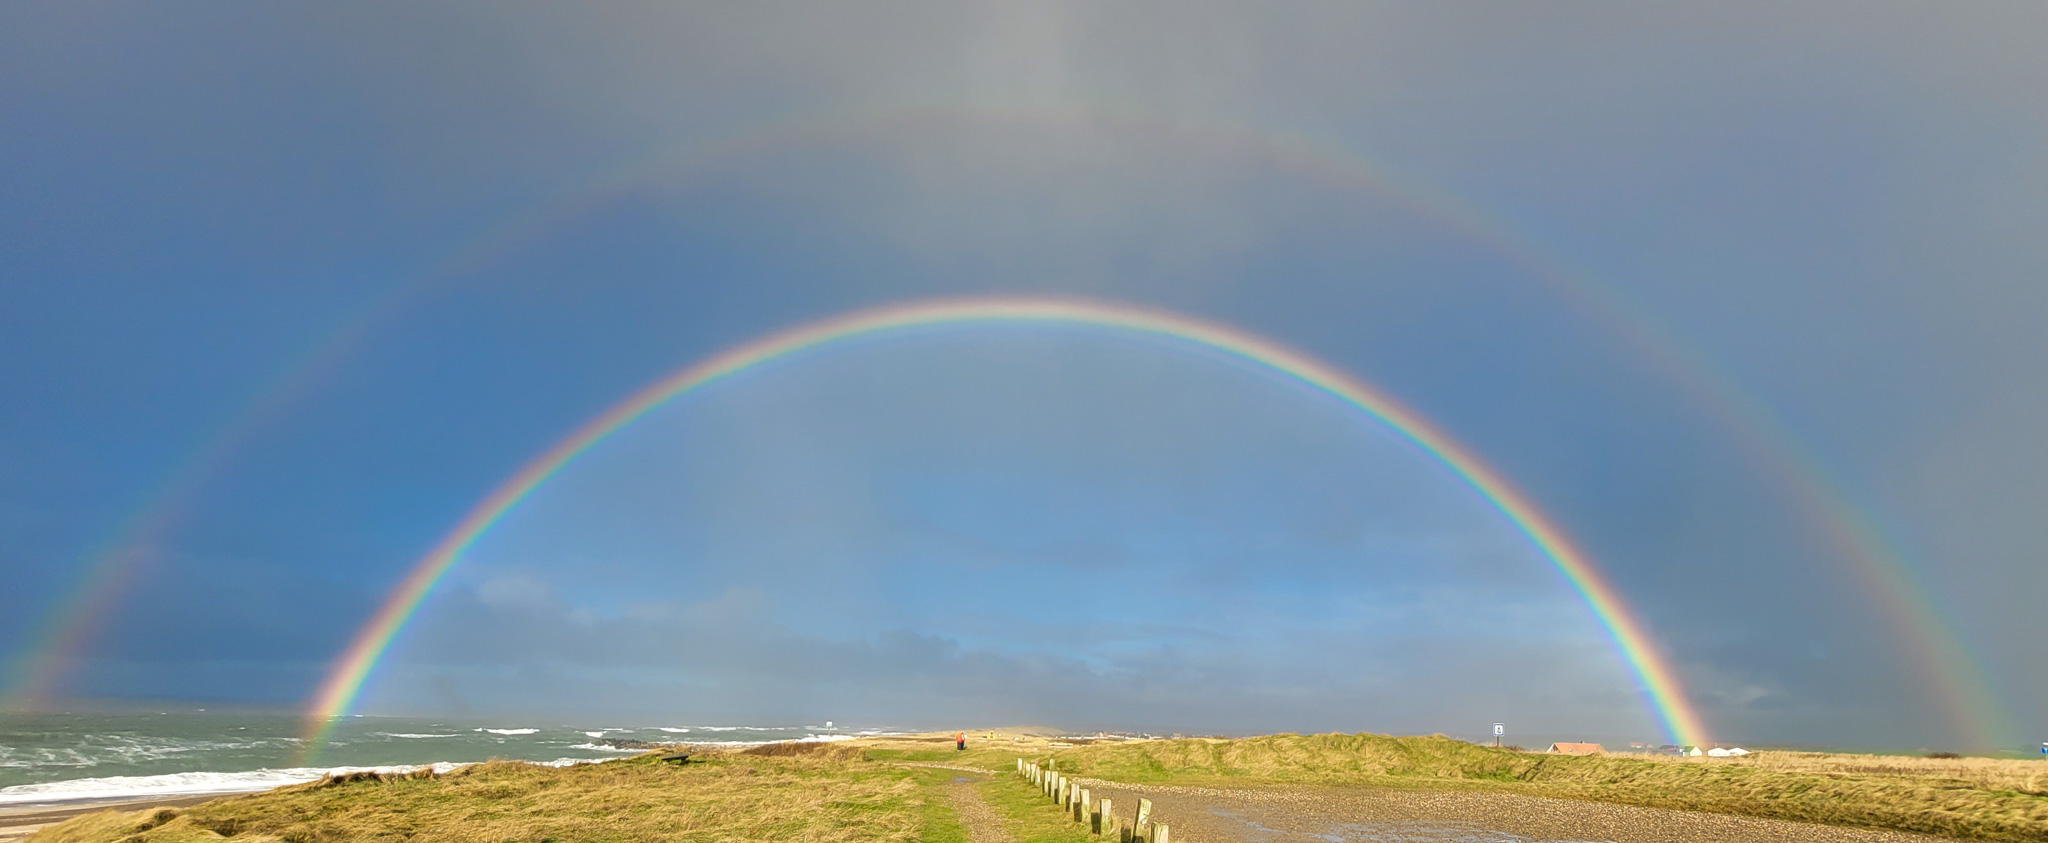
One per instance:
[(937, 821), (1971, 798), (732, 797), (824, 793), (1028, 815)]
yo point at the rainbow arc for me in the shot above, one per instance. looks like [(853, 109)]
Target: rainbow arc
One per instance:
[(1659, 681)]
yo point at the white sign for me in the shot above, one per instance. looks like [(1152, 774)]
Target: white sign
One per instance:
[(1499, 730)]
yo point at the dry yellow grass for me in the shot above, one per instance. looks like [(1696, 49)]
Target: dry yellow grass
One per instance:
[(733, 797), (813, 793), (1992, 774)]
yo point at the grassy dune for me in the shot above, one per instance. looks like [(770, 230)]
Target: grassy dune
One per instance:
[(736, 796), (1972, 798), (841, 792)]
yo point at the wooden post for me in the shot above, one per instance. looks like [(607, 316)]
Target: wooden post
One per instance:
[(1105, 818), (1084, 808), (1141, 828), (1160, 835)]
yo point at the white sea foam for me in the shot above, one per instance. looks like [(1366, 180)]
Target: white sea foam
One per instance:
[(804, 739), (413, 736), (188, 784), (602, 748), (672, 729), (176, 784), (509, 731), (95, 750)]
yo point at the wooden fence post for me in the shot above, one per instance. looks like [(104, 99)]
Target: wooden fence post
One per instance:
[(1141, 829), (1160, 834), (1084, 808), (1105, 818)]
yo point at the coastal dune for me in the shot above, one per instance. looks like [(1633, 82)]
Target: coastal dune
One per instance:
[(1276, 787)]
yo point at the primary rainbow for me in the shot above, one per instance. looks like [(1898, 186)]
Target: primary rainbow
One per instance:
[(338, 692)]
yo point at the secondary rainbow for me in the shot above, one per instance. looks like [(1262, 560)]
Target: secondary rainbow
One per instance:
[(1945, 668), (1659, 682)]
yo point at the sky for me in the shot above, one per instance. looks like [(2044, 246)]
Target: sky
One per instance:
[(287, 289)]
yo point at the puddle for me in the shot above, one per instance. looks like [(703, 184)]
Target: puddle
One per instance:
[(1385, 832)]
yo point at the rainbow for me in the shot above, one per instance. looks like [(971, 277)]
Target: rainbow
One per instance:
[(1946, 670), (337, 694)]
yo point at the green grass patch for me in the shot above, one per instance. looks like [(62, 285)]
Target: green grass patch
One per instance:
[(938, 822), (1029, 815)]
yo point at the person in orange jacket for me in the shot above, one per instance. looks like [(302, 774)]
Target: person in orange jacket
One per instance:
[(960, 742)]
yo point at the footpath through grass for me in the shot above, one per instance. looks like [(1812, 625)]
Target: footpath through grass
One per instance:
[(1983, 800), (1028, 815)]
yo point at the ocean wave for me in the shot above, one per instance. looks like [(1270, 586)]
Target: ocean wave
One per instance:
[(95, 750), (509, 731), (200, 784), (180, 784), (413, 736), (602, 748), (673, 730), (804, 739)]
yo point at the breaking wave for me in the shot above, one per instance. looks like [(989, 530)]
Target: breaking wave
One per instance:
[(200, 784)]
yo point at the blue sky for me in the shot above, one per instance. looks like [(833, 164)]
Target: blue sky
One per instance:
[(513, 216)]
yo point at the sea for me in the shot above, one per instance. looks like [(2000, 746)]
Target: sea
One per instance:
[(59, 758)]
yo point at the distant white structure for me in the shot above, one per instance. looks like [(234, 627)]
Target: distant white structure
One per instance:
[(1716, 752)]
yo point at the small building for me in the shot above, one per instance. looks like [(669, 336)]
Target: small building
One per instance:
[(1577, 749)]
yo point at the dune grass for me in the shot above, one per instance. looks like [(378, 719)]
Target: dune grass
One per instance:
[(730, 797), (817, 793), (1970, 798)]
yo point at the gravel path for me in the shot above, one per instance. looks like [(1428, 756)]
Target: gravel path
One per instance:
[(981, 821), (1333, 814)]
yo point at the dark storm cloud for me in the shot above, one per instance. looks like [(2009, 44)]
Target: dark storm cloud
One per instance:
[(1839, 206)]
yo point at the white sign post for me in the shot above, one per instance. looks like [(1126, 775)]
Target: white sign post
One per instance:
[(1498, 731)]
